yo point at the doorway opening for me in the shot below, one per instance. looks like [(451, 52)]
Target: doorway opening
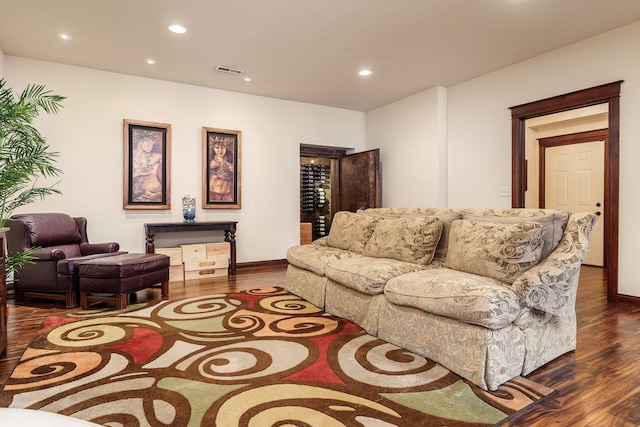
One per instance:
[(565, 166), (608, 94), (332, 180), (571, 178), (318, 192)]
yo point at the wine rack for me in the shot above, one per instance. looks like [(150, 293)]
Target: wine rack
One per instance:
[(315, 197)]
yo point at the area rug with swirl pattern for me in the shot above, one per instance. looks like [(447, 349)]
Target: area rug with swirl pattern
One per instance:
[(256, 358)]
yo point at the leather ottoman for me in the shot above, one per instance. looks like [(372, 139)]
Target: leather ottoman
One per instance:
[(114, 278), (68, 274)]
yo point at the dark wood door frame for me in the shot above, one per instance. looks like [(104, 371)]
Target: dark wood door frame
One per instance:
[(308, 150), (605, 94)]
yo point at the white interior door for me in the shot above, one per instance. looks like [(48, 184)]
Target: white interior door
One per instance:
[(574, 181)]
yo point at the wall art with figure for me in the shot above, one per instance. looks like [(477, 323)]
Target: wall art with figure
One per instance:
[(221, 168), (146, 165)]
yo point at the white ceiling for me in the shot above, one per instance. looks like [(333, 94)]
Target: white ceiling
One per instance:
[(306, 50)]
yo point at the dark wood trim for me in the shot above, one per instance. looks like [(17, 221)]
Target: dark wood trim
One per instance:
[(612, 198), (574, 138), (604, 94), (518, 162), (308, 150), (629, 299), (558, 141), (275, 263), (568, 101), (542, 175)]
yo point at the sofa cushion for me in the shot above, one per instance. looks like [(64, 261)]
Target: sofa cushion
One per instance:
[(552, 224), (500, 251), (366, 274), (405, 239), (351, 231), (316, 257), (462, 296)]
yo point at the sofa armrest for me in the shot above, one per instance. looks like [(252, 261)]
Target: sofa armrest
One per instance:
[(98, 248), (48, 254), (551, 286)]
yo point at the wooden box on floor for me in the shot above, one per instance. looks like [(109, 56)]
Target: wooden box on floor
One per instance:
[(206, 260), (206, 264), (305, 233), (218, 250), (176, 268), (205, 274), (174, 254), (194, 252), (176, 273)]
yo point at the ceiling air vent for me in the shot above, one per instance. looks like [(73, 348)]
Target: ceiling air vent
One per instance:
[(229, 70)]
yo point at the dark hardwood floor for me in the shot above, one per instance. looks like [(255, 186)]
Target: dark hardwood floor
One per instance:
[(598, 384)]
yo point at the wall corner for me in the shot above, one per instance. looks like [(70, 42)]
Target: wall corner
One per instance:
[(442, 142)]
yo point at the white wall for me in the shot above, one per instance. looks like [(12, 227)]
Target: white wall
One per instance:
[(480, 126), (88, 135), (411, 135)]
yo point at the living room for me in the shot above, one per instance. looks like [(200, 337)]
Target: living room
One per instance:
[(467, 124), (455, 139), (451, 133)]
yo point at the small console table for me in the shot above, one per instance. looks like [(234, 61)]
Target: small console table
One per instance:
[(229, 228)]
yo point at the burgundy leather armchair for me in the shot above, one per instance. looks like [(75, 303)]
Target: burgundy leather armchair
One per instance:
[(62, 245)]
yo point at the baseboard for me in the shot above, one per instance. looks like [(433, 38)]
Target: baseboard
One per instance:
[(629, 299), (275, 263)]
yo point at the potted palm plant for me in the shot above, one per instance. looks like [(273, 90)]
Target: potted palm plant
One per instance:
[(25, 155)]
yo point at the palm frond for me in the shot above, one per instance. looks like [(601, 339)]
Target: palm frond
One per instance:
[(25, 155), (15, 261), (36, 96)]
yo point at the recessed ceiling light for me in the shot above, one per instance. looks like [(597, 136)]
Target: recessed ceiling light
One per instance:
[(64, 36), (247, 79), (365, 72), (150, 61), (178, 29)]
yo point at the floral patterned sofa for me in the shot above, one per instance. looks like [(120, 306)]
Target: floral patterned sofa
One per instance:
[(487, 293)]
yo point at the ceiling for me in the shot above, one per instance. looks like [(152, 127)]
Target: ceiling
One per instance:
[(305, 50)]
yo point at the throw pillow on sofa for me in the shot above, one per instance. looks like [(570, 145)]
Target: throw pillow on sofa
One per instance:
[(405, 239), (500, 251), (447, 219), (552, 224), (351, 231)]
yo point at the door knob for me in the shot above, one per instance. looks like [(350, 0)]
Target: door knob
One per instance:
[(598, 213), (598, 204)]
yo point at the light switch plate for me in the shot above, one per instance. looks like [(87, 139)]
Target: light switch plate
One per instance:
[(504, 191)]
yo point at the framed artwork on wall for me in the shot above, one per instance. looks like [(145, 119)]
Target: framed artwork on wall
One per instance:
[(221, 168), (147, 163)]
